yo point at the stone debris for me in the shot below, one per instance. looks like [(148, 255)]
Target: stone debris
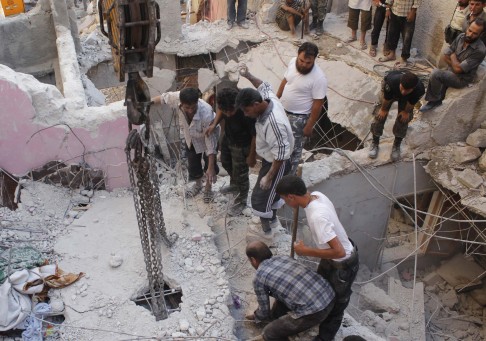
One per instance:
[(470, 178), (207, 79), (115, 260), (378, 300), (477, 139), (466, 154), (460, 271)]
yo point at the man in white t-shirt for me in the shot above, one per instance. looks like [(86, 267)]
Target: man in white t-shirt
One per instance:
[(302, 93), (339, 257)]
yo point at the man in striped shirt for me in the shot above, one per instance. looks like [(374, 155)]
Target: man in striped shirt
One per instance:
[(274, 144), (303, 298)]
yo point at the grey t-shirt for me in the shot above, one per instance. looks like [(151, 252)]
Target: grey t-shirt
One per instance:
[(469, 57)]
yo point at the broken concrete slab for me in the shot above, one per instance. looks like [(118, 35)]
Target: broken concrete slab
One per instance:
[(219, 68), (460, 271), (268, 12), (206, 79), (403, 297), (432, 279), (378, 300), (466, 154), (482, 162), (470, 178), (477, 139)]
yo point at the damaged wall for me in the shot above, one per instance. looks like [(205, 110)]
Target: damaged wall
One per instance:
[(170, 19)]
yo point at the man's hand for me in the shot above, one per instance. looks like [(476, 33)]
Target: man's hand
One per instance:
[(411, 15), (265, 182), (387, 13), (299, 247), (251, 160), (403, 116), (382, 114), (210, 130), (376, 3), (307, 131), (243, 69), (211, 175)]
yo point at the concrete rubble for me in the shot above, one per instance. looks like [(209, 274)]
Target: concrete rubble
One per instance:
[(63, 129)]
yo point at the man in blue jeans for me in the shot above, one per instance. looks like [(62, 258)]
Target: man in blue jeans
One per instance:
[(239, 15)]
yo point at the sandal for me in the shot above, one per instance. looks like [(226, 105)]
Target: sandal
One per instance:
[(193, 191), (386, 58), (350, 40), (363, 46), (373, 51), (208, 196)]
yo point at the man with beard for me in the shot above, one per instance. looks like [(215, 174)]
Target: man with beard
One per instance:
[(475, 10), (303, 93), (463, 57)]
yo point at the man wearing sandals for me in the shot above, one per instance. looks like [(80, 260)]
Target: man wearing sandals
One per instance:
[(357, 7), (195, 117), (402, 14), (406, 89), (274, 144)]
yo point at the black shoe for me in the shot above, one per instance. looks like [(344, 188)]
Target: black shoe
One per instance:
[(313, 24), (430, 105), (320, 27)]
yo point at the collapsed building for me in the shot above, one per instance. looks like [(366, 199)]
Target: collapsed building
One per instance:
[(418, 223)]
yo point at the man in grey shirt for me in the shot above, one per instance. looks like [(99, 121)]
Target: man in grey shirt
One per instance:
[(463, 57)]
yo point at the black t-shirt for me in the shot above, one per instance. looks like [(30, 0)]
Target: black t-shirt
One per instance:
[(239, 129), (391, 89)]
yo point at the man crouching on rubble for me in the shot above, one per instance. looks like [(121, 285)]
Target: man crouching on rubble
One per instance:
[(195, 116), (303, 299)]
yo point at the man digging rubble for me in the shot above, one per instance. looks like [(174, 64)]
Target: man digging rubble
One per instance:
[(339, 257), (303, 299), (195, 116), (274, 144), (237, 147)]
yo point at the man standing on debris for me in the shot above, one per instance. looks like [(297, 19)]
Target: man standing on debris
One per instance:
[(339, 257), (239, 15), (237, 147), (303, 92), (195, 116), (406, 89), (291, 13), (402, 15), (463, 58), (274, 143), (303, 299)]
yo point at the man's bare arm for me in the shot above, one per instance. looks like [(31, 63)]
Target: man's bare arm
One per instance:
[(281, 88)]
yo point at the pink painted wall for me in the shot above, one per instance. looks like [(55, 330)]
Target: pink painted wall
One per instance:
[(19, 153)]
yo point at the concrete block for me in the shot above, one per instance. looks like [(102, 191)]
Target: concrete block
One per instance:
[(206, 79), (219, 68), (470, 178), (268, 12), (460, 271), (466, 154), (232, 69), (432, 279), (482, 162), (449, 299), (377, 299), (477, 139)]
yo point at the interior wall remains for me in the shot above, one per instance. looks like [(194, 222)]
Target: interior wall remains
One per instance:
[(363, 211)]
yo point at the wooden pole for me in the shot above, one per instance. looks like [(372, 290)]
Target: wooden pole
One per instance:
[(295, 222)]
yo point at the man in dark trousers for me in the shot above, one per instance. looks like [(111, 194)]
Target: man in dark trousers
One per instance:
[(339, 257), (237, 147), (303, 299), (406, 89)]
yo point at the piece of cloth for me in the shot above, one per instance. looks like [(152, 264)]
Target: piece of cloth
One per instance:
[(194, 165), (303, 291), (325, 225), (239, 129), (403, 7), (14, 306), (33, 330), (274, 138), (459, 17), (353, 18), (364, 5), (319, 9), (470, 57), (400, 26), (233, 160), (301, 90), (194, 133), (240, 14), (18, 258), (391, 92), (263, 202), (284, 325), (341, 279), (378, 20)]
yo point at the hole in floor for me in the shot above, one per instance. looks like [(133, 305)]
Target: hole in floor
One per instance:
[(172, 297)]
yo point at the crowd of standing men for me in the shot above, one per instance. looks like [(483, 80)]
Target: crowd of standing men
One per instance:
[(274, 125)]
